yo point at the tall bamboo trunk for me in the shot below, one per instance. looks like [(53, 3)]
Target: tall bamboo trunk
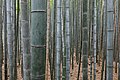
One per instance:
[(25, 33), (52, 41), (58, 38), (1, 44), (104, 40), (63, 40), (10, 39), (95, 36), (116, 50), (91, 36), (72, 33), (38, 39), (48, 53), (67, 38), (15, 37), (105, 34), (5, 40), (98, 30), (110, 30), (85, 41), (80, 34)]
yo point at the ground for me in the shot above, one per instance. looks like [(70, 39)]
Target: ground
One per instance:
[(73, 72)]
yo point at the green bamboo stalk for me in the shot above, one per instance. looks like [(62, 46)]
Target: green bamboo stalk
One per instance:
[(38, 39), (25, 33), (85, 41), (95, 36), (77, 32), (63, 41), (48, 56), (116, 35), (16, 38), (5, 40), (110, 30), (10, 38), (104, 41), (72, 44), (58, 38), (101, 32), (91, 35), (52, 41), (67, 37), (80, 41), (1, 43), (105, 36)]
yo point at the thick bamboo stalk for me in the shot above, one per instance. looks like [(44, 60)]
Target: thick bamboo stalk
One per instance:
[(85, 41), (58, 38), (25, 33), (110, 30), (38, 39), (10, 39), (67, 38)]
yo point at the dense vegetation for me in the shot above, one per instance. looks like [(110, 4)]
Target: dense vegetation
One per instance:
[(46, 39)]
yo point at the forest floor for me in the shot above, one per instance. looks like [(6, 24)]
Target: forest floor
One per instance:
[(73, 72)]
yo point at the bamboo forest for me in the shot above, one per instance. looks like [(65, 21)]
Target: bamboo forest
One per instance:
[(59, 39)]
